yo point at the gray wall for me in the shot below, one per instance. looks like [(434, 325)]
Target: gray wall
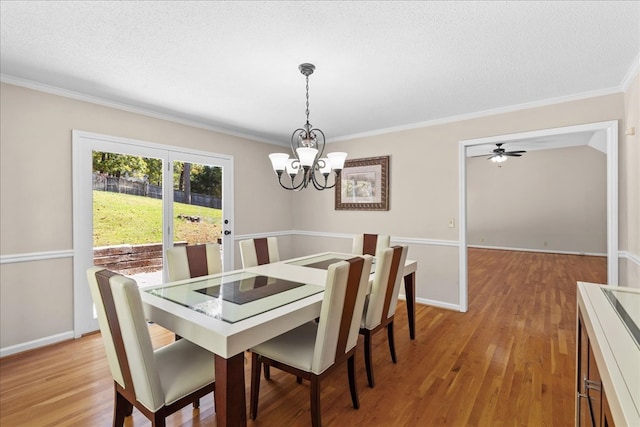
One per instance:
[(36, 295), (548, 200), (424, 186)]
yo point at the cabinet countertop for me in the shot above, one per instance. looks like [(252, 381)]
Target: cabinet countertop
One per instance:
[(615, 349)]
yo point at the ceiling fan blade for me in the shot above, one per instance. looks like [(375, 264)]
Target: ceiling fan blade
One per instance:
[(512, 154), (517, 152)]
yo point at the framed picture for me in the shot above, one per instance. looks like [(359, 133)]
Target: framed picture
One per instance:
[(364, 185)]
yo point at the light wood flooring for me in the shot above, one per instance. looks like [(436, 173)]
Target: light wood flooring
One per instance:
[(508, 361)]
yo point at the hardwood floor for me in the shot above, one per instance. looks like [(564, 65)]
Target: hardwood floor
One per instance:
[(508, 361)]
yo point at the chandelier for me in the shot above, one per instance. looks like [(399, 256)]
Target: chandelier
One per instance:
[(307, 146)]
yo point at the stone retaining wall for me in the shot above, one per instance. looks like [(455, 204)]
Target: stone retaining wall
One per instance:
[(129, 259), (132, 259)]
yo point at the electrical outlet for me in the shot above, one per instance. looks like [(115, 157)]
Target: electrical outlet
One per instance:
[(452, 223)]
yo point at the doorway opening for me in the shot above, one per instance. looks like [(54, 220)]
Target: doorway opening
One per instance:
[(604, 135)]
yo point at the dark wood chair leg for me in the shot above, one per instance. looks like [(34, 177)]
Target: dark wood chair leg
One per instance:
[(410, 294), (367, 357), (267, 372), (196, 404), (120, 408), (299, 380), (392, 344), (159, 419), (315, 401), (353, 386), (256, 364), (128, 408)]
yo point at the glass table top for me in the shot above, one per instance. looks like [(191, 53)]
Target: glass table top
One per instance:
[(233, 297), (323, 261), (627, 307)]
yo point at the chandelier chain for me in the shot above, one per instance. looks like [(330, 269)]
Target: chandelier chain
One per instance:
[(307, 111)]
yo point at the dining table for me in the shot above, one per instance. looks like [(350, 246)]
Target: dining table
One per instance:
[(230, 312)]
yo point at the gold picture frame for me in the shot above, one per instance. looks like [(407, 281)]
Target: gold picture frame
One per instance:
[(363, 185)]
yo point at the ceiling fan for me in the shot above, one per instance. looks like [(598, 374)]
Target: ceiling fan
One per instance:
[(500, 154)]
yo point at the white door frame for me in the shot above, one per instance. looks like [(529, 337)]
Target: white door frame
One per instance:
[(611, 130), (83, 144)]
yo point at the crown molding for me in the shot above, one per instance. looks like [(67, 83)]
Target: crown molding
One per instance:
[(485, 113), (16, 81), (624, 85), (631, 74)]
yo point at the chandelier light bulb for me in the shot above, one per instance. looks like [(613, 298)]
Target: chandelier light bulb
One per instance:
[(337, 160), (293, 167), (279, 161), (325, 166), (307, 155)]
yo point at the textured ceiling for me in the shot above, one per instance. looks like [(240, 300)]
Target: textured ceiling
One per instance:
[(233, 66)]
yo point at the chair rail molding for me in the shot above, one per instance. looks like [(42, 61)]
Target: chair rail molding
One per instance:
[(394, 239), (630, 256), (35, 256)]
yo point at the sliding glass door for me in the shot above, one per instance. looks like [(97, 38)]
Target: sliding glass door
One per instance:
[(133, 200), (127, 193), (197, 201)]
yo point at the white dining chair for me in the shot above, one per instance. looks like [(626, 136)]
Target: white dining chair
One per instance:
[(156, 382), (259, 251), (380, 304), (186, 262), (315, 349), (370, 243)]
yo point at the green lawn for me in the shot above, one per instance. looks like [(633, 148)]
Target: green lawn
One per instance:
[(125, 219)]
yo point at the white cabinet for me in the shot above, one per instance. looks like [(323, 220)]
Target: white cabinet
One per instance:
[(608, 356)]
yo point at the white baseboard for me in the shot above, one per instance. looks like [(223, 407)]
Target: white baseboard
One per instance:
[(544, 251), (40, 342), (434, 303)]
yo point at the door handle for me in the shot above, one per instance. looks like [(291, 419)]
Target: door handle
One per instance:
[(592, 385), (589, 408), (227, 232)]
